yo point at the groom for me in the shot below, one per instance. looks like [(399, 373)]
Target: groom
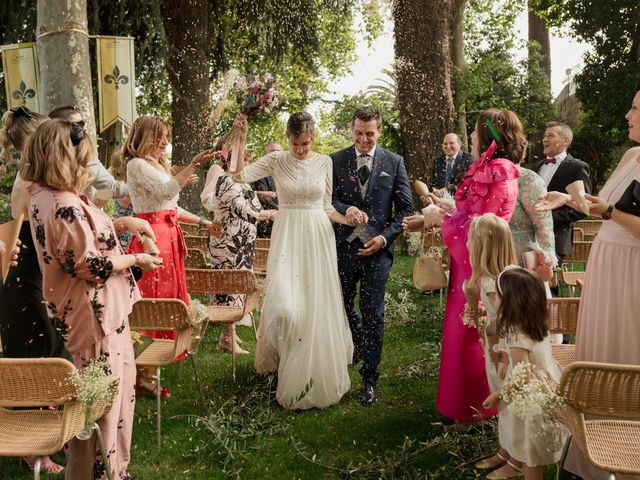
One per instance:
[(370, 185)]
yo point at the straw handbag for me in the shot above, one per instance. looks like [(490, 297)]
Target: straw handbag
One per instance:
[(429, 270)]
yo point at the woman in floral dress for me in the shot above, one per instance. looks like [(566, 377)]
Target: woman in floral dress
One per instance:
[(237, 208), (87, 284)]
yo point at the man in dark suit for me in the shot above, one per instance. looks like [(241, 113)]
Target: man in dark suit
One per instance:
[(265, 188), (449, 168), (370, 185), (558, 170)]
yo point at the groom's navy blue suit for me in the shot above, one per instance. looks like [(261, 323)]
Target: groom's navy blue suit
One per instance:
[(387, 201)]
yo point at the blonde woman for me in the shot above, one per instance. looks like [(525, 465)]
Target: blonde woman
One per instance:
[(87, 283), (154, 194)]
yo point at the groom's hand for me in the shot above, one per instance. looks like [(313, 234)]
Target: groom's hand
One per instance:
[(372, 246), (355, 216)]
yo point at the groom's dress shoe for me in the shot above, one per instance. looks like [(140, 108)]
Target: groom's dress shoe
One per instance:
[(368, 395)]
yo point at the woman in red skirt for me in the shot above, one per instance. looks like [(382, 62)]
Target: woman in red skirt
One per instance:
[(154, 193)]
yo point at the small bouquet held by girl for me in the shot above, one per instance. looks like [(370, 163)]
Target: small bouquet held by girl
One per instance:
[(252, 97)]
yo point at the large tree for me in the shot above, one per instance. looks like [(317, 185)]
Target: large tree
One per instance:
[(424, 72), (610, 76), (62, 35)]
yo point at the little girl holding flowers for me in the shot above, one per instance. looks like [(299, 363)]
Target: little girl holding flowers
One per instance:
[(522, 327)]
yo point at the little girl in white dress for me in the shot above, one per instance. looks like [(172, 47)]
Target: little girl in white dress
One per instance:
[(522, 324)]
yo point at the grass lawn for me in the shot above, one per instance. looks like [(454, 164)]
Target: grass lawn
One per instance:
[(247, 435)]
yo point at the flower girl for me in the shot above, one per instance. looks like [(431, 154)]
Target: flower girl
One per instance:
[(491, 250), (522, 326)]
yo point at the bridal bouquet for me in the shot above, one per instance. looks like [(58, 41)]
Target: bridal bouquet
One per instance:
[(252, 96), (95, 384)]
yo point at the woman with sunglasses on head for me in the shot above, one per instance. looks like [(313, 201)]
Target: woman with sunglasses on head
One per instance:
[(87, 283)]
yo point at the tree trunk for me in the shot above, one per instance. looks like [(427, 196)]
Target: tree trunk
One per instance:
[(539, 33), (423, 62), (459, 68), (63, 55), (187, 29)]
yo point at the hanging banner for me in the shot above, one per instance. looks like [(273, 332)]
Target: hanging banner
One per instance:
[(116, 85), (21, 75)]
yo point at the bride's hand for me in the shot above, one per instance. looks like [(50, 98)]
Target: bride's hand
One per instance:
[(413, 223)]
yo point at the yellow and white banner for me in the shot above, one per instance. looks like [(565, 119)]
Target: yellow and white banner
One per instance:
[(116, 85), (21, 75)]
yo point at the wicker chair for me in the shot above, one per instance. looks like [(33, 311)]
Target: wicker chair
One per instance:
[(260, 261), (578, 235), (165, 314), (226, 282), (263, 243), (196, 259), (201, 242), (589, 227), (563, 318), (570, 277), (193, 230), (610, 442), (32, 431), (580, 252)]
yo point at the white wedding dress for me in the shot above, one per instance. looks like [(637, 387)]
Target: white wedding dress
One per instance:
[(304, 332)]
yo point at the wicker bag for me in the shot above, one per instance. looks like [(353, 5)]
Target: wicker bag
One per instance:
[(429, 270)]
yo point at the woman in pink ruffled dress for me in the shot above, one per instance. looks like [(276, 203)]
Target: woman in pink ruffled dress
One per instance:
[(489, 186)]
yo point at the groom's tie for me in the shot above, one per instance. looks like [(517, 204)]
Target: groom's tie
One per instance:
[(364, 172)]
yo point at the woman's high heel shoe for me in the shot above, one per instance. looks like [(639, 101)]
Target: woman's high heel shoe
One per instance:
[(500, 474), (148, 386), (228, 345), (47, 465)]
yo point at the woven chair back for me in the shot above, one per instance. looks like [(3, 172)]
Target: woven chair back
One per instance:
[(603, 389), (563, 314), (260, 261), (263, 243), (196, 259), (230, 282), (589, 227), (197, 241), (580, 252), (159, 314), (35, 382), (578, 235), (193, 230)]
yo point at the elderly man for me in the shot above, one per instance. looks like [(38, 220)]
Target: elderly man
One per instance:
[(558, 170), (449, 168)]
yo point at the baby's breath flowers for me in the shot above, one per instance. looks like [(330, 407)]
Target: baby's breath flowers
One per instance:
[(94, 384), (198, 314)]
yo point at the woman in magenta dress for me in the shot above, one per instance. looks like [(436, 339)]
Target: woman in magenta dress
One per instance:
[(489, 186)]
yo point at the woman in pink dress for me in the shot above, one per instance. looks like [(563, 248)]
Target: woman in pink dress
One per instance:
[(489, 186), (87, 284)]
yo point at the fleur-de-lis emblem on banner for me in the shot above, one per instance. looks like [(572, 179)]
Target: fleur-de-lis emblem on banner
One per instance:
[(115, 78), (23, 93)]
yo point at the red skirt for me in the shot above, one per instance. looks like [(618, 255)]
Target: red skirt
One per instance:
[(168, 281)]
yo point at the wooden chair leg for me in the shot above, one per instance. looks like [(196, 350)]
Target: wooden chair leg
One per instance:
[(103, 451), (565, 451), (158, 404), (233, 363), (253, 324)]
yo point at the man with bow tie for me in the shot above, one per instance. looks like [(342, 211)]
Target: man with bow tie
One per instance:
[(558, 170), (371, 184)]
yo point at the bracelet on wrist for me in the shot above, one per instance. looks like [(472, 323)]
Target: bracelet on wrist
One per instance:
[(201, 222), (135, 258)]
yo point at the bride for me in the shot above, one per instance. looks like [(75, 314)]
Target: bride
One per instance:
[(304, 333)]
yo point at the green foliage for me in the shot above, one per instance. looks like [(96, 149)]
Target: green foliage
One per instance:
[(610, 76), (494, 79)]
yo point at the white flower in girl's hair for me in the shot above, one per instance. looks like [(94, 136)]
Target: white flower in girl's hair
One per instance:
[(530, 394)]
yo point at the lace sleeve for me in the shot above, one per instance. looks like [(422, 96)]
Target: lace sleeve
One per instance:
[(531, 188), (208, 195), (257, 170), (142, 176), (328, 189)]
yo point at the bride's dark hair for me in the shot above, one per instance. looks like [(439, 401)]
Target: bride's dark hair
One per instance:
[(299, 123)]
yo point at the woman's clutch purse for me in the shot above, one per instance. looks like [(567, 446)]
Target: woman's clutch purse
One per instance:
[(630, 200)]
